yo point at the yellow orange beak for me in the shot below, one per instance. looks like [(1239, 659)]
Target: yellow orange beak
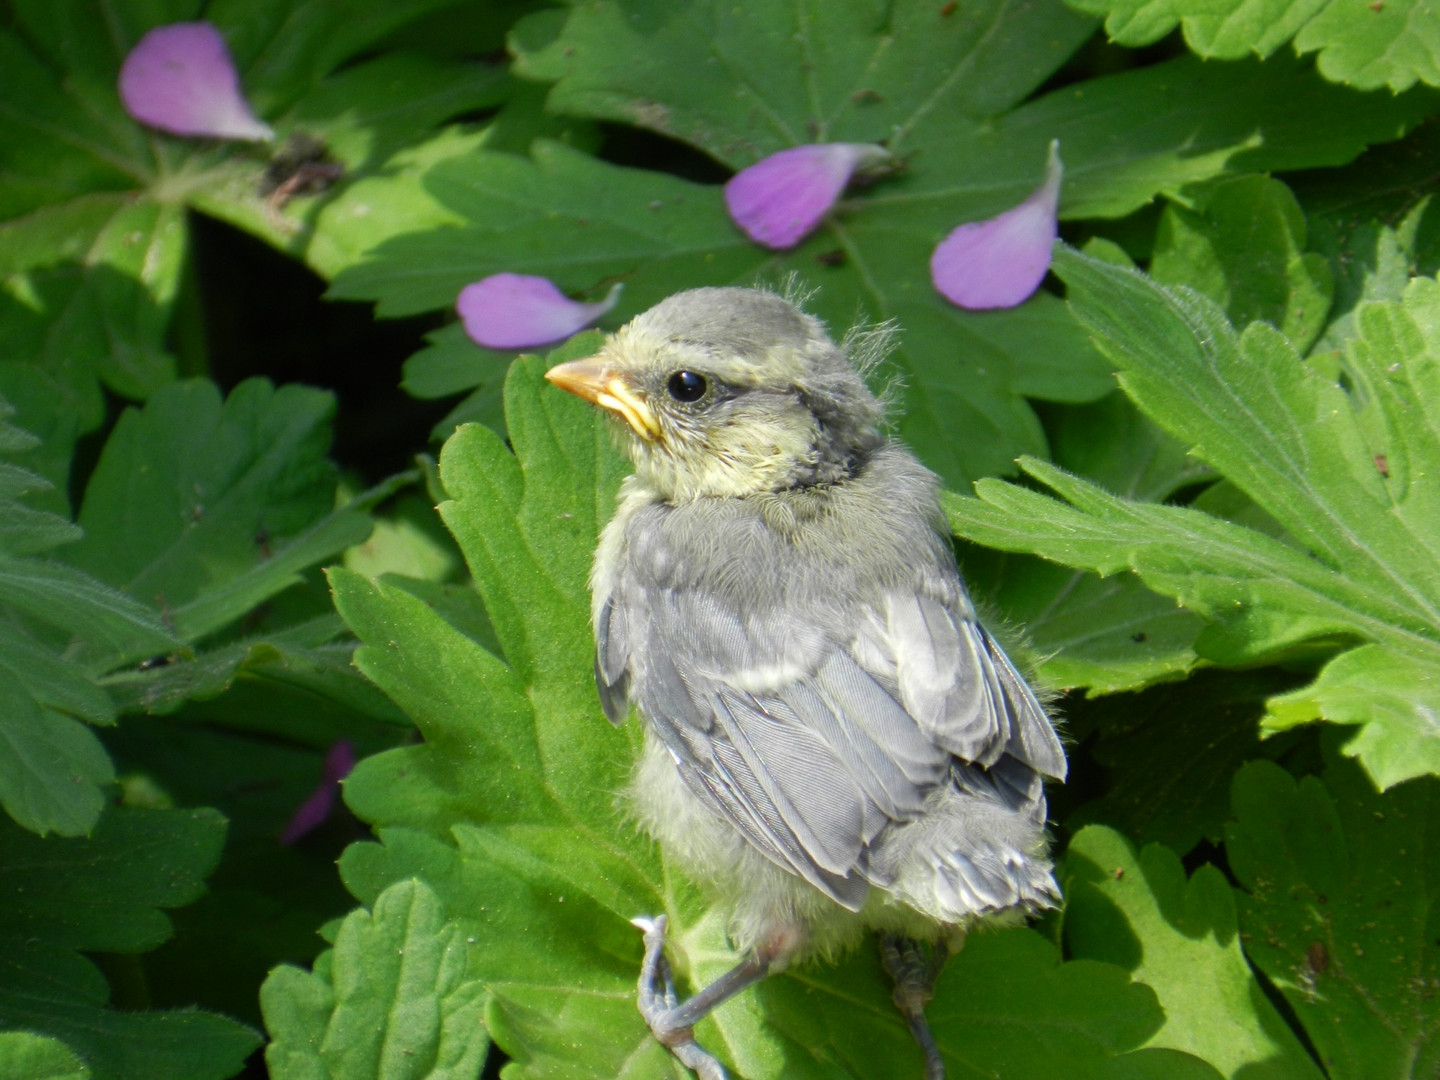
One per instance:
[(596, 381)]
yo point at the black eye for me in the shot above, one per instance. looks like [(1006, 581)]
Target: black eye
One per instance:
[(687, 386)]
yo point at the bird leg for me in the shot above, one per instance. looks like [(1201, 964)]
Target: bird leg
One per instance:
[(673, 1023), (915, 967)]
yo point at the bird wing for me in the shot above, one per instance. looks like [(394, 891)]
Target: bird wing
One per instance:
[(813, 731), (958, 683)]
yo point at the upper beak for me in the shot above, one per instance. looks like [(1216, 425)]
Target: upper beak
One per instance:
[(596, 381)]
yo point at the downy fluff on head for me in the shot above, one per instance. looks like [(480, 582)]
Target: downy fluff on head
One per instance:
[(749, 394)]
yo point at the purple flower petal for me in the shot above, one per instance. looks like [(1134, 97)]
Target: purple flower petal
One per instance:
[(999, 263), (778, 200), (339, 760), (520, 311), (180, 78)]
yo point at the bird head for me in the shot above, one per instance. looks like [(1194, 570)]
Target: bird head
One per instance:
[(730, 393)]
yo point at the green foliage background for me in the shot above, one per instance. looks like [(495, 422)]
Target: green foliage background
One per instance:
[(1198, 474)]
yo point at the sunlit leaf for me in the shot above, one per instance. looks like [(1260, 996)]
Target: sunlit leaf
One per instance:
[(393, 1002), (509, 812), (1362, 561), (1390, 44), (1338, 910), (1180, 937)]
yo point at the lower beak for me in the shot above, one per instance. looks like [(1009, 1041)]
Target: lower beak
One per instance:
[(595, 380)]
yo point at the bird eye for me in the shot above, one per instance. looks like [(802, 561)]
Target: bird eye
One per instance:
[(687, 386)]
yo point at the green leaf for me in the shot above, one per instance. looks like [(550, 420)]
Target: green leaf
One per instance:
[(1180, 938), (52, 768), (378, 208), (1117, 446), (393, 1004), (118, 627), (226, 602), (47, 442), (1339, 911), (790, 73), (23, 529), (62, 897), (1170, 751), (180, 508), (206, 509), (528, 544), (366, 116), (508, 812), (52, 680), (1390, 44), (24, 1056), (94, 235), (1241, 242), (264, 901), (97, 280), (552, 944), (1363, 561), (742, 88), (561, 213), (1376, 223), (105, 893), (1082, 631), (1385, 693), (970, 150), (1077, 630), (26, 529), (305, 657), (410, 541)]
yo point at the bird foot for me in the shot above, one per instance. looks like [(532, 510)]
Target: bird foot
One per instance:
[(669, 1021), (915, 967)]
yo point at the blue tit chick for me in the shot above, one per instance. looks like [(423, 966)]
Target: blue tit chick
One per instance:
[(833, 742)]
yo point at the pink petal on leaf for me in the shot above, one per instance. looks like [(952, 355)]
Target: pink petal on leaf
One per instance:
[(180, 78), (1000, 262), (778, 200), (520, 311), (339, 760)]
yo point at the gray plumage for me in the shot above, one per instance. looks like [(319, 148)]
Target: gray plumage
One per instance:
[(816, 691), (833, 739)]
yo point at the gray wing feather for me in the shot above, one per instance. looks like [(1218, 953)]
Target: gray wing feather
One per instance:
[(612, 656), (810, 771), (1032, 738), (735, 792), (811, 791), (883, 748), (962, 688), (813, 745)]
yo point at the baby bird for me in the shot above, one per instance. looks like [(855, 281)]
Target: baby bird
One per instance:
[(832, 740)]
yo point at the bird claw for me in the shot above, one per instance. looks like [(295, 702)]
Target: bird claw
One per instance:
[(659, 1005), (915, 968), (657, 983)]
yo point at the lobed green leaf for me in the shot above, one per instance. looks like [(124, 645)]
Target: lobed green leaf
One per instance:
[(1359, 558), (24, 1056), (105, 893), (509, 811), (393, 1004), (1180, 937), (1391, 44), (1241, 241), (1339, 910)]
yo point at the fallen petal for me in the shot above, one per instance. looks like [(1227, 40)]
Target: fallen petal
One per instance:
[(778, 200), (180, 78), (1000, 262), (520, 311), (339, 760)]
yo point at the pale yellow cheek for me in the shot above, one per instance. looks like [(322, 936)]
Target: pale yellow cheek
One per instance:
[(724, 462)]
